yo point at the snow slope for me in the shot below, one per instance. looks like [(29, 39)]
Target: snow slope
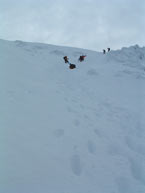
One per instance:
[(71, 131)]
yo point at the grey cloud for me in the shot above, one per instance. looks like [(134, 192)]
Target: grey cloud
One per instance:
[(91, 24)]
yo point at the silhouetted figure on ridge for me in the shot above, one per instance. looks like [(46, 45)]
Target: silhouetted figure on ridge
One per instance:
[(108, 49), (104, 51)]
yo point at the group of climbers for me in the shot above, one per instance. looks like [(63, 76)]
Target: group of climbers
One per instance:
[(104, 51), (72, 66), (80, 59)]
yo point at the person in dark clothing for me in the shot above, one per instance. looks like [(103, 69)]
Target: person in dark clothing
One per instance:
[(66, 59), (104, 51), (72, 66), (82, 57), (108, 49)]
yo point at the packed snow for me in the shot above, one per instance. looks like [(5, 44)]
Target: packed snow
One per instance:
[(71, 131)]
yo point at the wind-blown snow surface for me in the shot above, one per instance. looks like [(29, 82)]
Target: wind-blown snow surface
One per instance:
[(71, 131)]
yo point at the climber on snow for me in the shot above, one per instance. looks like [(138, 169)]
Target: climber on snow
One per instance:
[(72, 66), (82, 57), (108, 49), (104, 51), (66, 59)]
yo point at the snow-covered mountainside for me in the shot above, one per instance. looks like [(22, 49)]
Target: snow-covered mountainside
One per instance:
[(71, 131)]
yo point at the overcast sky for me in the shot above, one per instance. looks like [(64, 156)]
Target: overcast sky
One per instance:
[(91, 24)]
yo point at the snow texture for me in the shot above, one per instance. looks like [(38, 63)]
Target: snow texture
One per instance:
[(71, 131)]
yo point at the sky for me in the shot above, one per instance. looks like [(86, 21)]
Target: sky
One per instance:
[(89, 24)]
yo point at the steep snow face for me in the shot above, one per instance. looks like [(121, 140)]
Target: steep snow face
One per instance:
[(71, 131)]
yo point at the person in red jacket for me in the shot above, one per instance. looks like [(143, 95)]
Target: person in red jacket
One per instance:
[(82, 57)]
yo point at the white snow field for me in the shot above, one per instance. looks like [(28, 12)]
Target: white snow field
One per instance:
[(71, 131)]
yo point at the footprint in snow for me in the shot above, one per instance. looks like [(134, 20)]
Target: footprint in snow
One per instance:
[(76, 165), (76, 123), (59, 133), (92, 72), (91, 147)]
